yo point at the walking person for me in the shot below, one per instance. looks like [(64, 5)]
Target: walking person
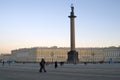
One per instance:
[(85, 63), (3, 63), (42, 65), (56, 64)]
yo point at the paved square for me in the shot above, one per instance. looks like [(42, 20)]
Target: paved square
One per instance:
[(66, 72)]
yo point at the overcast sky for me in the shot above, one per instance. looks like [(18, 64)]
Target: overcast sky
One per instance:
[(37, 23)]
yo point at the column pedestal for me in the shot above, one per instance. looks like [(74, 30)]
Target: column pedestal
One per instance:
[(73, 57)]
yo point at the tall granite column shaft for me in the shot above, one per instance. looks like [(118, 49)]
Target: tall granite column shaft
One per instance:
[(72, 54), (72, 31)]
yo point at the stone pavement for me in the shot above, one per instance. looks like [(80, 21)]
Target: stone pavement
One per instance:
[(67, 72)]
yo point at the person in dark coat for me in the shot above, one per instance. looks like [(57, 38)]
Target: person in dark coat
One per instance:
[(42, 65), (61, 63), (3, 63), (56, 65)]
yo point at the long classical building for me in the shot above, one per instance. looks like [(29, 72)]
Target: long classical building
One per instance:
[(60, 54), (36, 54)]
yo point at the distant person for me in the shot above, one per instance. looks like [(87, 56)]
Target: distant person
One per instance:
[(61, 63), (56, 64), (85, 63), (3, 63), (42, 65)]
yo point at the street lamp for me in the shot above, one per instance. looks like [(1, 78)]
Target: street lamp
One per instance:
[(52, 55), (93, 56)]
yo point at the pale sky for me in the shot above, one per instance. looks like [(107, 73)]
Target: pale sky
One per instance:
[(37, 23)]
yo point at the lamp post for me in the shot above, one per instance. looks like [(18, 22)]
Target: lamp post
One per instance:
[(52, 55), (93, 56), (103, 55)]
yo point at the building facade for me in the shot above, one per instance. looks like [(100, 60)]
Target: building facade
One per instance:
[(5, 57), (36, 54), (99, 54), (60, 54)]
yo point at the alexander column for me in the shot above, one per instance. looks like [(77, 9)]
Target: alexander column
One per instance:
[(72, 54)]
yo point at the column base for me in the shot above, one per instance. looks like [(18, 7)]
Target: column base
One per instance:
[(72, 57)]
